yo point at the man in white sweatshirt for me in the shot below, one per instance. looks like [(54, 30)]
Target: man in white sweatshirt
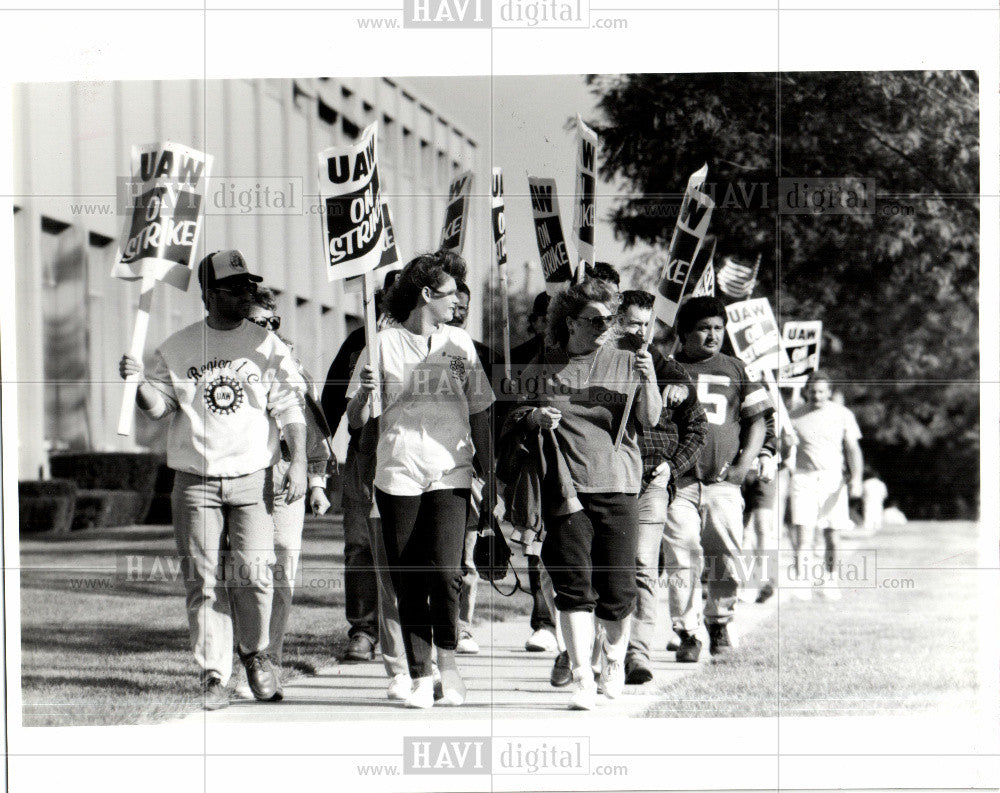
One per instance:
[(229, 387)]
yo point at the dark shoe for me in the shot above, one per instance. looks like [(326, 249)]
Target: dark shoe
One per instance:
[(261, 675), (214, 694), (360, 648), (562, 675), (718, 640), (766, 593), (690, 648), (637, 672)]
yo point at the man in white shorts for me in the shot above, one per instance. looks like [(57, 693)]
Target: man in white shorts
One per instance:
[(827, 432)]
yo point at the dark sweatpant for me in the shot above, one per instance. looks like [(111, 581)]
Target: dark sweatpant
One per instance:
[(424, 538), (590, 555)]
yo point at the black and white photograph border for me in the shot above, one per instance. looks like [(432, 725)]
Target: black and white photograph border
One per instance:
[(915, 706)]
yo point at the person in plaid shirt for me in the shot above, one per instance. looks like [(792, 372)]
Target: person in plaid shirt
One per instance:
[(668, 449)]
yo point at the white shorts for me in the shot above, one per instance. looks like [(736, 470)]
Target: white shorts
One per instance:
[(819, 499)]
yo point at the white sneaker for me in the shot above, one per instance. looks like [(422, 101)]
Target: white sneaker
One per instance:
[(612, 683), (541, 641), (453, 690), (422, 695), (584, 691), (400, 688), (466, 644)]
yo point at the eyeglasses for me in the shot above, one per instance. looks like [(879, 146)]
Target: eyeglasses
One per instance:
[(598, 322), (248, 288), (271, 323), (438, 293)]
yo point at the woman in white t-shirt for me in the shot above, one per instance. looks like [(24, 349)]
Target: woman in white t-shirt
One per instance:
[(435, 418)]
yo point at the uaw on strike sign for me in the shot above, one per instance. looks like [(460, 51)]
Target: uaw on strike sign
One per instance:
[(754, 333), (685, 243), (352, 206), (801, 340), (556, 264), (456, 215), (166, 193)]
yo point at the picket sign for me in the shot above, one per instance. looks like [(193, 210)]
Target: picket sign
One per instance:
[(168, 184)]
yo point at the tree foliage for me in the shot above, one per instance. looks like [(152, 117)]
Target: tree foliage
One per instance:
[(896, 286)]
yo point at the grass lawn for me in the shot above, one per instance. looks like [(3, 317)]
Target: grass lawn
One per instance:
[(100, 650), (909, 644)]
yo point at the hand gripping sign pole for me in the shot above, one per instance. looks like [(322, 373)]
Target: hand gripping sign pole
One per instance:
[(353, 225), (500, 253), (136, 349), (169, 182), (685, 243)]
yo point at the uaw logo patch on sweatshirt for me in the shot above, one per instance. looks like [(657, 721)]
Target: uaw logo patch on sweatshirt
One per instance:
[(224, 394), (224, 384)]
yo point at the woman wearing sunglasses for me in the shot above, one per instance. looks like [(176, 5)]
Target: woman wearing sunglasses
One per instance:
[(435, 418), (289, 518), (578, 391)]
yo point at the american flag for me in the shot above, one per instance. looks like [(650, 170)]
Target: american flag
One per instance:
[(737, 280)]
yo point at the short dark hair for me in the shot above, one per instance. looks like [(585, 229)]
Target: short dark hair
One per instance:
[(695, 309), (540, 307), (636, 297), (463, 288), (428, 269), (820, 375), (604, 272)]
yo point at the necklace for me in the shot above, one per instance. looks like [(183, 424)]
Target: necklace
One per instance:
[(590, 372)]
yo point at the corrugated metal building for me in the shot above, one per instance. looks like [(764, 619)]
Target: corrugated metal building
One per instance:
[(72, 144)]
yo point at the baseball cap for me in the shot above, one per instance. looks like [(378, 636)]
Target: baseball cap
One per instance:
[(224, 266)]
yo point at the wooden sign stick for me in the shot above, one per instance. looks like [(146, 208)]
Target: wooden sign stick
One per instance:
[(127, 412), (371, 339)]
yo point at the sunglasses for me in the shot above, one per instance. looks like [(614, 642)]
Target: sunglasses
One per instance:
[(598, 322), (437, 293), (248, 288), (270, 323)]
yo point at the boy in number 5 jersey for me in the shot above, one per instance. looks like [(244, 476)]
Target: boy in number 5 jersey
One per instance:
[(705, 519)]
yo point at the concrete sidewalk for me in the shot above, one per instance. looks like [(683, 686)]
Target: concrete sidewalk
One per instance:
[(503, 680)]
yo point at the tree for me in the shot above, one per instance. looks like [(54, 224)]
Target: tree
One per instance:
[(896, 283)]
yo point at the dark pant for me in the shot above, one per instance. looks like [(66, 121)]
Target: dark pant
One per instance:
[(540, 616), (424, 538), (360, 585), (590, 555)]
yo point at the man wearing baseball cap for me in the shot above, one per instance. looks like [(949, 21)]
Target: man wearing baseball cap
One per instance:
[(229, 387)]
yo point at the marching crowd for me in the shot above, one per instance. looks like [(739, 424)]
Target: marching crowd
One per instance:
[(620, 466)]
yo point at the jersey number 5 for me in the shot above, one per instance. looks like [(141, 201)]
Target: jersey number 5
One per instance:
[(714, 403)]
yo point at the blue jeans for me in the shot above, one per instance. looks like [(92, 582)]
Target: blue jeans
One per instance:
[(202, 507), (288, 522), (652, 519)]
